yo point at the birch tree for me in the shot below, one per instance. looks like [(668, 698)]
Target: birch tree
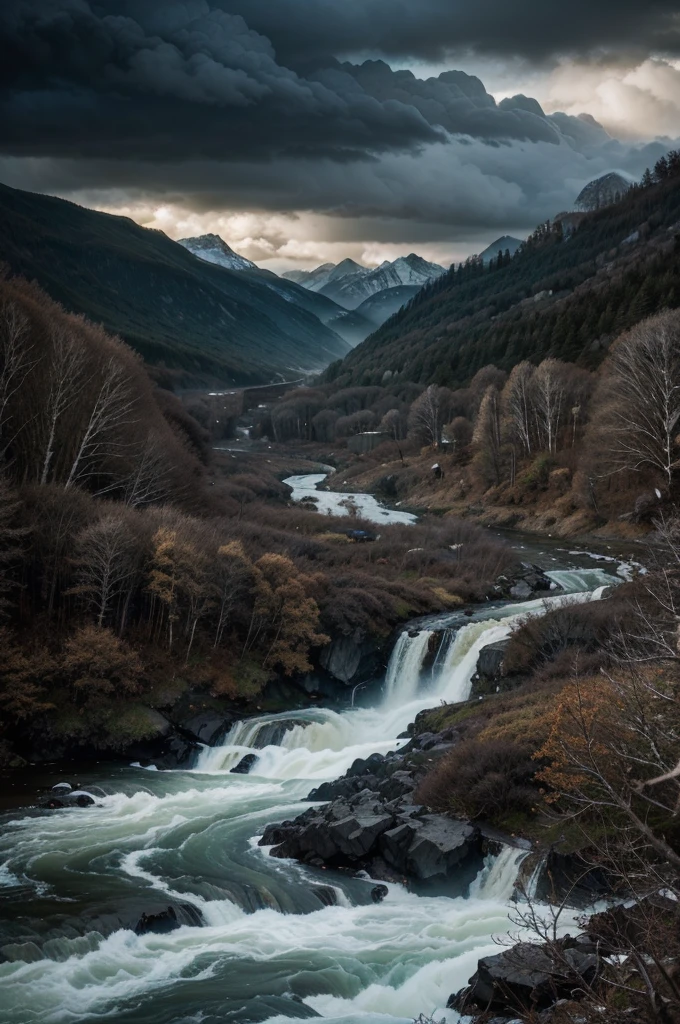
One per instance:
[(548, 392), (640, 413), (107, 560), (111, 409), (517, 407), (429, 413), (65, 383), (15, 359), (148, 483)]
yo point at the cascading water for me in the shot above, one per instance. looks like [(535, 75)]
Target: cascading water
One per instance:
[(405, 667), (75, 880)]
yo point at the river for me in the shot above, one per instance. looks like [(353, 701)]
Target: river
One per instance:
[(74, 881)]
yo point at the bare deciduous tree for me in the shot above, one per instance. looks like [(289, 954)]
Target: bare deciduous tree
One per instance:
[(112, 407), (640, 398), (15, 358), (148, 482), (391, 424), (517, 407), (66, 381), (107, 558), (548, 389), (486, 439), (429, 413)]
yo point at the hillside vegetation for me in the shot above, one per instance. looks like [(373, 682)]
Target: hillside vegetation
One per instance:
[(136, 569), (567, 292), (179, 312)]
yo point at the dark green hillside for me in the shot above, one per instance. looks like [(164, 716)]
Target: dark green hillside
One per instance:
[(176, 310), (606, 271)]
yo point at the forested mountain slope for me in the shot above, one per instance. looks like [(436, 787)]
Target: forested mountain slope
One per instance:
[(570, 289), (173, 308)]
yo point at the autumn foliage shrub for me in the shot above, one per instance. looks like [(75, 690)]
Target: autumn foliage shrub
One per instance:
[(487, 780)]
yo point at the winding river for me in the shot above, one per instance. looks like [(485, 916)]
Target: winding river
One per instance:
[(276, 941)]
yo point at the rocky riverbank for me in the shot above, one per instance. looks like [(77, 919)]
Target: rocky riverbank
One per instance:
[(373, 822)]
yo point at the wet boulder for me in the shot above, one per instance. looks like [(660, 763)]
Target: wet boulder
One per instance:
[(523, 583), (326, 895), (63, 795), (378, 893), (364, 766), (355, 836), (168, 920), (340, 788), (245, 765), (207, 727), (490, 661), (521, 590), (527, 977), (350, 659), (439, 845), (397, 784)]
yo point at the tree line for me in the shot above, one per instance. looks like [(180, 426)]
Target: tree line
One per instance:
[(571, 288), (618, 423), (137, 565)]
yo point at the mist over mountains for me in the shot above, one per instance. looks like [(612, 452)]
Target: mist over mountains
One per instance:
[(350, 284)]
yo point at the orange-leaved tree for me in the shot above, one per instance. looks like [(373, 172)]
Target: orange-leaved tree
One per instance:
[(285, 619)]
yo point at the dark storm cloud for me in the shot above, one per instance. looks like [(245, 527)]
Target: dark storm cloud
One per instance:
[(171, 80), (164, 81), (242, 105), (433, 29)]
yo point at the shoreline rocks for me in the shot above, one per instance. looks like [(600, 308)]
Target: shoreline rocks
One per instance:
[(524, 583), (371, 821), (529, 977)]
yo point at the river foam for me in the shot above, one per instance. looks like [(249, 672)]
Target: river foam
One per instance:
[(267, 940)]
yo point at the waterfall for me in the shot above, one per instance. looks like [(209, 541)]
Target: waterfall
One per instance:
[(455, 675), (531, 885), (189, 838), (497, 879), (405, 667)]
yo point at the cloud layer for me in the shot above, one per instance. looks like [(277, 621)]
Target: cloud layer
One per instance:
[(213, 110), (435, 29)]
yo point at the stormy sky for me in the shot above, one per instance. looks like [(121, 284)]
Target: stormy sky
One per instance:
[(307, 130)]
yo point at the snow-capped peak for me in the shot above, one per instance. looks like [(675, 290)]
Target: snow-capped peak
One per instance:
[(214, 249)]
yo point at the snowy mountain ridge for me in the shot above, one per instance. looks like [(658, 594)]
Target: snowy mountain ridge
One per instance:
[(214, 249), (350, 284)]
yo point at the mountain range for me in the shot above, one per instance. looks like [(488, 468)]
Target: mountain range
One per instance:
[(566, 293), (350, 299), (195, 320), (200, 311), (349, 284)]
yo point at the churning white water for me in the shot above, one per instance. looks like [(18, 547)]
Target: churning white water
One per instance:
[(269, 949), (404, 670)]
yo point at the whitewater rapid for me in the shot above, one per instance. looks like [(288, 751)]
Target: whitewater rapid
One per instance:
[(73, 881)]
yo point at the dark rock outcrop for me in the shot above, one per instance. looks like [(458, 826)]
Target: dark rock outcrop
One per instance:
[(373, 823), (208, 727), (66, 795), (392, 838), (168, 920), (490, 661), (529, 977), (567, 876), (350, 659), (245, 764), (524, 583)]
